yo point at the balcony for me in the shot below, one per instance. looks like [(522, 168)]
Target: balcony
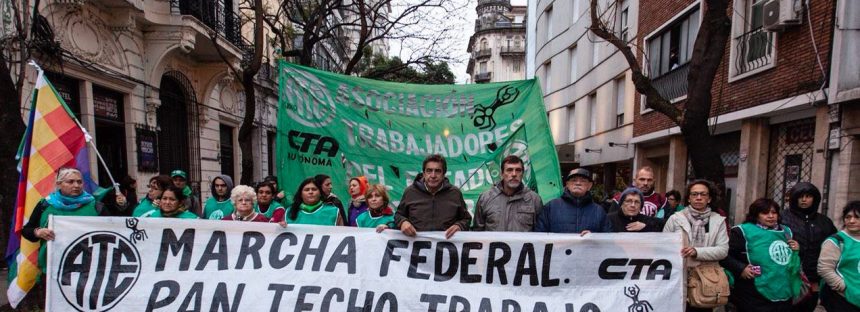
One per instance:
[(498, 25), (672, 85), (754, 50), (483, 77), (513, 51), (216, 16), (482, 53)]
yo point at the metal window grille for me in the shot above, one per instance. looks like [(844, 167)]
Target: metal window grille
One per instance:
[(791, 150), (179, 127)]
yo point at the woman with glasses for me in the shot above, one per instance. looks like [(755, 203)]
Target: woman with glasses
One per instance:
[(839, 264), (243, 199), (149, 204), (703, 228), (628, 218)]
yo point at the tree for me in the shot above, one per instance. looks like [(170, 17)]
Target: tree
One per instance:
[(393, 69), (423, 28), (692, 116), (30, 35), (250, 66)]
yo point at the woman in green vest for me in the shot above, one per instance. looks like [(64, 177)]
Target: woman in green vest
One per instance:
[(69, 199), (266, 203), (149, 204), (378, 214), (308, 207), (839, 264), (244, 199), (764, 260), (172, 205)]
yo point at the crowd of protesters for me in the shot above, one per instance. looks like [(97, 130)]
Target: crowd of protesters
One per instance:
[(776, 260)]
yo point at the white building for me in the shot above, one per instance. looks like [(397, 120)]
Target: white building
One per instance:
[(498, 46), (588, 92)]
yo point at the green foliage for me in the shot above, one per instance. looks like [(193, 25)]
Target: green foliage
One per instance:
[(393, 69)]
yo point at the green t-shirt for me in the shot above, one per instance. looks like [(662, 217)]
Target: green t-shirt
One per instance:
[(217, 210), (183, 215), (324, 215), (780, 266), (144, 208), (274, 205), (849, 266), (366, 220)]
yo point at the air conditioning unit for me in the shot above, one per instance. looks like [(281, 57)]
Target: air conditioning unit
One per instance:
[(779, 14)]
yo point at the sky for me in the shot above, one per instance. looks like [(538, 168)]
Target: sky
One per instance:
[(464, 29)]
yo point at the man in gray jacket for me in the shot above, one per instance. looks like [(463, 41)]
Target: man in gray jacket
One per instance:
[(509, 205)]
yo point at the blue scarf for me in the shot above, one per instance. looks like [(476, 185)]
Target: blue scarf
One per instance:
[(62, 202)]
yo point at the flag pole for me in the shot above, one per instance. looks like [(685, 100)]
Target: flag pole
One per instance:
[(87, 135)]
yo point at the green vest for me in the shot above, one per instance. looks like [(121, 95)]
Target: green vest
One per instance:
[(144, 209), (365, 220), (217, 210), (324, 215), (183, 215), (780, 266), (88, 210), (272, 207), (849, 266)]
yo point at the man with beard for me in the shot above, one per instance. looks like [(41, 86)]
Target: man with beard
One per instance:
[(655, 203), (575, 211), (431, 203), (509, 205)]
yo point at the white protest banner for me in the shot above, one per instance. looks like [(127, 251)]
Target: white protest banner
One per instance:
[(128, 264)]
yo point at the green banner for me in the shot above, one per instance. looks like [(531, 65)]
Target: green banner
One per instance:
[(345, 126)]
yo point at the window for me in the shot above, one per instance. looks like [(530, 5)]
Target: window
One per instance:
[(517, 66), (592, 111), (619, 101), (227, 150), (623, 7), (673, 46), (754, 47), (270, 151), (482, 67), (548, 14), (547, 77), (574, 71), (484, 44), (571, 123)]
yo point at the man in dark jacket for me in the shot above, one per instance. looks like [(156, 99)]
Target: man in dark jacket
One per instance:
[(575, 211), (810, 229), (509, 205), (431, 203)]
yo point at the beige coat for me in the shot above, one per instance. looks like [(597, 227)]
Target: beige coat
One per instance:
[(717, 238)]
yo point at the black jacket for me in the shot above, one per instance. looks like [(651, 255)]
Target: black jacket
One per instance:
[(744, 293), (432, 212), (620, 222), (809, 227)]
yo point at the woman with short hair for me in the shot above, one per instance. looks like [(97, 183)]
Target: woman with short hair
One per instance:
[(244, 198), (379, 214), (266, 203)]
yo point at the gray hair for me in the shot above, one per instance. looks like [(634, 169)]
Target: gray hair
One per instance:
[(64, 172), (241, 191)]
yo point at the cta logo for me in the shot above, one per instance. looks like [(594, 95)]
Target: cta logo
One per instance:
[(308, 101), (308, 142), (97, 270), (780, 252)]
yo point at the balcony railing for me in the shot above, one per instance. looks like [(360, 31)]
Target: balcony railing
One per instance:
[(483, 77), (672, 85), (483, 53), (216, 15), (512, 51), (498, 24), (754, 50)]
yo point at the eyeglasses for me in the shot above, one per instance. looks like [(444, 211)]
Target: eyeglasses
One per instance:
[(697, 194)]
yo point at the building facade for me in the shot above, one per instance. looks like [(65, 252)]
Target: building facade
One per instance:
[(771, 115), (147, 81), (588, 92), (498, 46)]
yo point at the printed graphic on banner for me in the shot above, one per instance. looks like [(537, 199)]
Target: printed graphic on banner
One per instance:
[(344, 127), (180, 265)]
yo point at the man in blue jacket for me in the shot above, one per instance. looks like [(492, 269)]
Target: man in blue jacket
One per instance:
[(574, 211)]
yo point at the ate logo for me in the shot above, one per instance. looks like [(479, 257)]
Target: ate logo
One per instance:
[(780, 252), (97, 270)]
